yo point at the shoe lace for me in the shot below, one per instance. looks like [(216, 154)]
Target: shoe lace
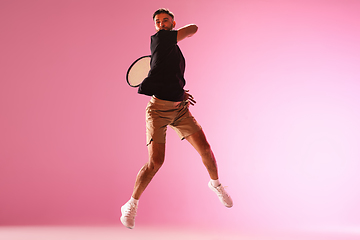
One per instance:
[(221, 190), (130, 211)]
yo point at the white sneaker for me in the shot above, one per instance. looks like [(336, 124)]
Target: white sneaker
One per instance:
[(128, 213), (222, 194)]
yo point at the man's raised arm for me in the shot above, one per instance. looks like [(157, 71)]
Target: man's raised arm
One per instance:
[(186, 31)]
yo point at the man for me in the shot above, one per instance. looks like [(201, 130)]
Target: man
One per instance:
[(169, 105)]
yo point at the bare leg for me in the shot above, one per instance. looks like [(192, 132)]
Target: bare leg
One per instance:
[(148, 171), (199, 142)]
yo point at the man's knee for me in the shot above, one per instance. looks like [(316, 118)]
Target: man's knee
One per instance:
[(156, 154), (155, 163), (154, 166)]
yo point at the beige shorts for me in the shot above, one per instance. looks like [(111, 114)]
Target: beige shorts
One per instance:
[(161, 113)]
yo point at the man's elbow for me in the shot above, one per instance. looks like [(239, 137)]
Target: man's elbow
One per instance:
[(186, 31), (193, 29)]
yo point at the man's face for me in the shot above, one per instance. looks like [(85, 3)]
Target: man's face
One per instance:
[(164, 21)]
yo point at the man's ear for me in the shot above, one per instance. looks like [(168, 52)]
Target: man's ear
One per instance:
[(174, 23)]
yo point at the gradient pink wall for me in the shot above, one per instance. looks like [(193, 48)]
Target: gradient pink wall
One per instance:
[(278, 90)]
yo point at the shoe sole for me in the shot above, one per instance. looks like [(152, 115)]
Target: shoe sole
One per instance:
[(123, 223)]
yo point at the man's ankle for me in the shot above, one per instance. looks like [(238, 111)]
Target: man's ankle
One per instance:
[(215, 183), (134, 201)]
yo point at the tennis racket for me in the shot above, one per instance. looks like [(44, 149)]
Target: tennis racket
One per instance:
[(138, 71)]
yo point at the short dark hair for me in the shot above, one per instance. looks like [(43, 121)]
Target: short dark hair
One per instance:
[(163, 10)]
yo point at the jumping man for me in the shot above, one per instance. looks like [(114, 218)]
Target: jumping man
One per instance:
[(169, 105)]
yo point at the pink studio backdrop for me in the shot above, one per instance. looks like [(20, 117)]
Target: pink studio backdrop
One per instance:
[(278, 90)]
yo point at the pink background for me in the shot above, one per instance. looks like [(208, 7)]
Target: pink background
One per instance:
[(278, 90)]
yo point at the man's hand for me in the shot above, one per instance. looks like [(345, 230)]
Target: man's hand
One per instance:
[(189, 98)]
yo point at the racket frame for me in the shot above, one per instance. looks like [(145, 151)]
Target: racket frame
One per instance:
[(128, 71)]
